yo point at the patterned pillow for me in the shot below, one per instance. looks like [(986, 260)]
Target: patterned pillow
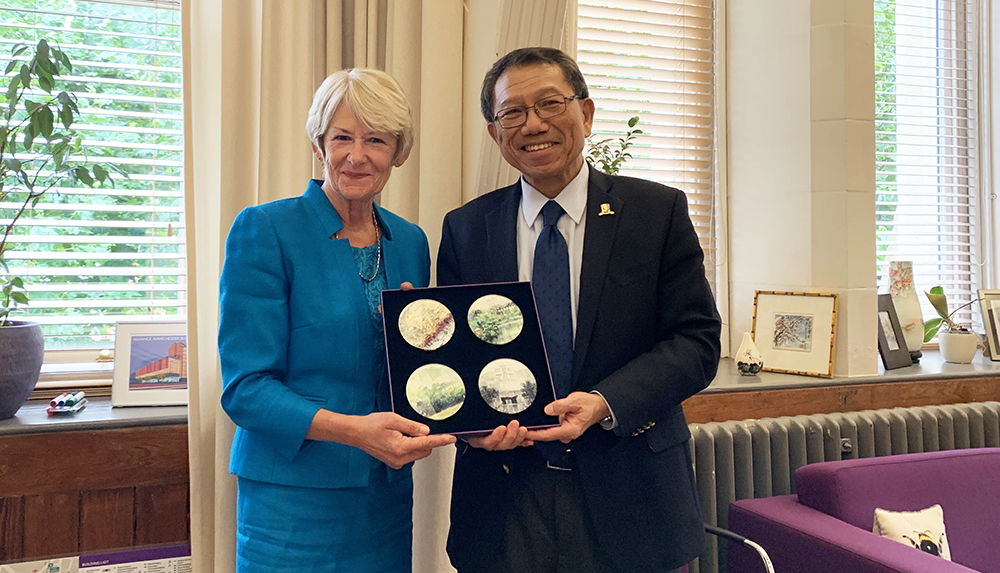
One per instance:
[(922, 529)]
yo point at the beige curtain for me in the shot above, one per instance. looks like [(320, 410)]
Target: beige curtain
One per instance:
[(250, 69)]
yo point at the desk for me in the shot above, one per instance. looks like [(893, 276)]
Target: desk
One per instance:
[(103, 479)]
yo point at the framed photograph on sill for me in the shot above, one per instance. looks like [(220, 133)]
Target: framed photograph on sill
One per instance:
[(796, 332), (891, 345), (151, 365), (989, 303)]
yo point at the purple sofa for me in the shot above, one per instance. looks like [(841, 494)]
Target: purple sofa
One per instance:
[(826, 527)]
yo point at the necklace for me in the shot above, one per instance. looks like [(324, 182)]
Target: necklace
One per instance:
[(378, 242), (378, 250)]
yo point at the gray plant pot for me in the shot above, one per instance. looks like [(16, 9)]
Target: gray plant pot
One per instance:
[(21, 352)]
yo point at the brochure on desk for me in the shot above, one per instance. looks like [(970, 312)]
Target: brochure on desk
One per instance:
[(466, 359)]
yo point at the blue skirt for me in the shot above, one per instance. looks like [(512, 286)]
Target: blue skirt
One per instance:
[(307, 530)]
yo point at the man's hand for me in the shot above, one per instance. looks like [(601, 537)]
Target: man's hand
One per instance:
[(502, 438), (577, 412)]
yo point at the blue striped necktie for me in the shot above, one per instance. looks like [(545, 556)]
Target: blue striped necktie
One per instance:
[(550, 281)]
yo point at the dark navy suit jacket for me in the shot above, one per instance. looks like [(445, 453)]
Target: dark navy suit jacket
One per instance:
[(647, 338)]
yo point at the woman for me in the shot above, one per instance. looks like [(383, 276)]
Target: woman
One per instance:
[(322, 466)]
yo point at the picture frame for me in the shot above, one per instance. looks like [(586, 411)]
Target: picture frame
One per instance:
[(150, 364), (796, 332), (891, 344), (989, 304)]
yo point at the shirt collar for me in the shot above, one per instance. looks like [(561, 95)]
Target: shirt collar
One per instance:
[(573, 198)]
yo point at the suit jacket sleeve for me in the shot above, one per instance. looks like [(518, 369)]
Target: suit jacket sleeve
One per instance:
[(684, 356), (253, 336)]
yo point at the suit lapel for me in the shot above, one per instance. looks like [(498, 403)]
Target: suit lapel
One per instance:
[(501, 236), (597, 242)]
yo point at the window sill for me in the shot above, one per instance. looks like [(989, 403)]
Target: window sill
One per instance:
[(931, 367), (97, 415)]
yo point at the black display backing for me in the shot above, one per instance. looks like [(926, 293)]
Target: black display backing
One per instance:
[(467, 355)]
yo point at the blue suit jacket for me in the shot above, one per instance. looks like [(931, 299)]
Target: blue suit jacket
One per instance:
[(295, 336), (647, 337)]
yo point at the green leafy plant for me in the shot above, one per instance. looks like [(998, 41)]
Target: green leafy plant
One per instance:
[(38, 148), (940, 303), (609, 156)]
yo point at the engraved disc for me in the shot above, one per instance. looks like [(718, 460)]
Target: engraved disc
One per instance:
[(426, 324), (435, 391), (507, 386), (495, 319)]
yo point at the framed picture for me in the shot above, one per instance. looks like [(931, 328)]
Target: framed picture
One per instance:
[(796, 331), (891, 345), (989, 302), (151, 366)]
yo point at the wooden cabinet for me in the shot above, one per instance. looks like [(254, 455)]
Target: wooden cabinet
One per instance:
[(67, 492)]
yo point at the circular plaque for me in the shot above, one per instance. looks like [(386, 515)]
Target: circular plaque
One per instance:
[(426, 324), (507, 386), (435, 391), (495, 319)]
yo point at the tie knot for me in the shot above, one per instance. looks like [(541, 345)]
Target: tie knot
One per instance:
[(551, 213)]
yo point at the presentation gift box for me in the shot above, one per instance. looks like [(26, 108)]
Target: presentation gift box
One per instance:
[(466, 359)]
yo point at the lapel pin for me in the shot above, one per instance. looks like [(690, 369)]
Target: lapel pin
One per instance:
[(605, 210)]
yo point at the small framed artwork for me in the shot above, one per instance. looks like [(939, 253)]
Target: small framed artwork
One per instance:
[(796, 332), (151, 365), (989, 303), (891, 346)]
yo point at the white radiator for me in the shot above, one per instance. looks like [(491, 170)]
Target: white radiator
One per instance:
[(758, 458)]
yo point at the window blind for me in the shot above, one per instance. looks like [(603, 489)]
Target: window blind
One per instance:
[(927, 146), (93, 256), (656, 59)]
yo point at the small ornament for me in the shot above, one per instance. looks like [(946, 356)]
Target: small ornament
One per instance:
[(748, 357), (605, 210)]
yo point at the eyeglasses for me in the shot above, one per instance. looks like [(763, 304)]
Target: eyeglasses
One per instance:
[(544, 109)]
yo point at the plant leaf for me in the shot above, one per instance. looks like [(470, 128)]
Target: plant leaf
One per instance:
[(634, 120), (931, 328), (44, 119), (937, 290), (939, 302), (25, 76), (43, 49), (18, 49), (19, 297)]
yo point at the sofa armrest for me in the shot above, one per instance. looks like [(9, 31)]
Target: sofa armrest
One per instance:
[(799, 538)]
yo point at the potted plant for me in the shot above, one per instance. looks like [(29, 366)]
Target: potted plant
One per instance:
[(958, 343), (38, 149), (602, 156)]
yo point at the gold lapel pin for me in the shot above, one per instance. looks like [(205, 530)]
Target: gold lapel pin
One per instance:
[(605, 210)]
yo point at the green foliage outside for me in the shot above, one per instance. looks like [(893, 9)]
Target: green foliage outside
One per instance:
[(885, 128), (101, 255)]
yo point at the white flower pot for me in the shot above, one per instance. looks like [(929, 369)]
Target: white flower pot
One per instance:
[(958, 347)]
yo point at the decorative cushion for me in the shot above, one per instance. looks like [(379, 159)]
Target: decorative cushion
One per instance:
[(922, 529)]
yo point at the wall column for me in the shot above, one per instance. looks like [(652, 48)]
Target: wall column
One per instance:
[(842, 119)]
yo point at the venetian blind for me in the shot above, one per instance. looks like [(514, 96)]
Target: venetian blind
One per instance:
[(91, 257), (927, 162), (656, 59)]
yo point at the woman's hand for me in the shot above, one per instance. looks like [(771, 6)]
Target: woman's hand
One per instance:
[(389, 437), (503, 438), (395, 440)]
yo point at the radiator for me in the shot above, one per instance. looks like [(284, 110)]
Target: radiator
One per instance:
[(757, 458)]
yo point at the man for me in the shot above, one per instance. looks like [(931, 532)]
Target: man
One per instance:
[(629, 335)]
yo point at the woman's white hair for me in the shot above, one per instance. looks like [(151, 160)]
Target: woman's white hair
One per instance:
[(375, 98)]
